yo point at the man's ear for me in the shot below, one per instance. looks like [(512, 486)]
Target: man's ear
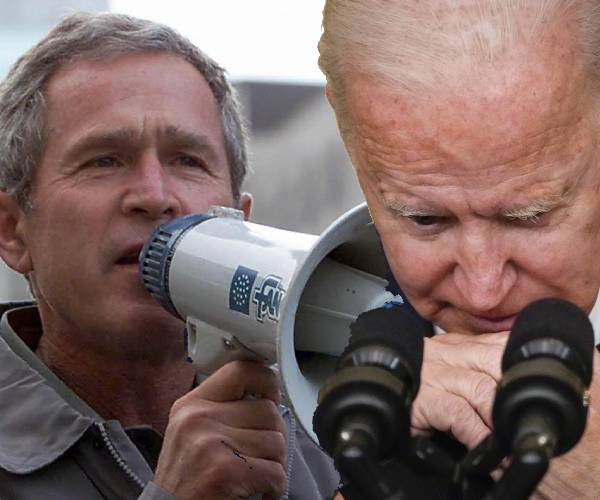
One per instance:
[(13, 248), (245, 204)]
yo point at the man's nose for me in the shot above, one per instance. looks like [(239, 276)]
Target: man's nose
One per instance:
[(150, 191), (484, 274)]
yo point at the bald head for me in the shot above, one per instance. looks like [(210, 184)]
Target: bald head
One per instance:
[(414, 45)]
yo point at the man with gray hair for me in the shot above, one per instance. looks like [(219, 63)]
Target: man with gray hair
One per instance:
[(473, 128), (109, 127)]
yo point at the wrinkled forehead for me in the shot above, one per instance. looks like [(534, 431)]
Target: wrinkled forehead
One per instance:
[(523, 101)]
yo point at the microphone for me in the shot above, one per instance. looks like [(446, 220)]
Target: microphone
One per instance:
[(541, 402), (363, 415)]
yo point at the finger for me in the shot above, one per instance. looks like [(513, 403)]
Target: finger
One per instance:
[(257, 414), (269, 445), (447, 412), (464, 351), (238, 379), (188, 415), (496, 338), (258, 476), (477, 388)]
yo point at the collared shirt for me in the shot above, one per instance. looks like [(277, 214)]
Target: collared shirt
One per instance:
[(49, 436)]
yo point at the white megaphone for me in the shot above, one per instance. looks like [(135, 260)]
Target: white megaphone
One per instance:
[(248, 291)]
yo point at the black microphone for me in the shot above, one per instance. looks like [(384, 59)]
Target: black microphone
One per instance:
[(363, 414), (541, 403)]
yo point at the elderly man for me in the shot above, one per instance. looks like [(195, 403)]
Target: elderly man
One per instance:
[(473, 127), (109, 127)]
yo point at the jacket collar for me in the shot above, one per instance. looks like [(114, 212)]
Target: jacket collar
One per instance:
[(34, 398)]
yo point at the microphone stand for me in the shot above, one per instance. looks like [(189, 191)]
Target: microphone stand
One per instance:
[(522, 476), (354, 459), (533, 447), (427, 471), (424, 471)]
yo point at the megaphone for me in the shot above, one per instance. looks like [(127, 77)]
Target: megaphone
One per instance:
[(249, 291)]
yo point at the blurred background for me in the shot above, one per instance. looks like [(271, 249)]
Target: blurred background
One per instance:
[(301, 177)]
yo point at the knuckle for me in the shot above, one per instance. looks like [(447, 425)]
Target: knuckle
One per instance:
[(203, 441), (461, 411), (282, 479), (178, 417), (421, 407), (178, 407), (271, 376), (268, 406), (185, 417), (278, 480), (483, 388), (270, 414), (484, 392), (232, 369), (279, 425), (280, 440), (279, 444), (480, 434)]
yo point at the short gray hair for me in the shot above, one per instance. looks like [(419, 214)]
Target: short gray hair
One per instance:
[(410, 45), (85, 36)]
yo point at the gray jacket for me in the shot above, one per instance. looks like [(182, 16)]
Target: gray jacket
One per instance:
[(53, 446)]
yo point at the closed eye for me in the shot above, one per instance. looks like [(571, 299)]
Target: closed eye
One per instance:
[(421, 218), (427, 220)]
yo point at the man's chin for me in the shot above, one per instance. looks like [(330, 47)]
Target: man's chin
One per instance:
[(137, 309)]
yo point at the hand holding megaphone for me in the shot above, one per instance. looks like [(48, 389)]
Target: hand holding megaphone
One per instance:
[(220, 444)]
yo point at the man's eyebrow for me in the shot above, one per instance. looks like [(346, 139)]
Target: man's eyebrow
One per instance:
[(190, 140), (102, 140), (535, 207), (523, 212), (114, 139), (405, 210)]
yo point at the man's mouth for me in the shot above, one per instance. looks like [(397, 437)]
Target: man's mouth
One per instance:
[(130, 259), (492, 324), (131, 256)]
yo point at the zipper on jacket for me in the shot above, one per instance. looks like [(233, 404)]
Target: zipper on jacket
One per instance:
[(291, 450), (117, 456)]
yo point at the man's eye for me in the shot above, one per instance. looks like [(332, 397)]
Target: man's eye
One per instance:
[(103, 162), (188, 161), (426, 220)]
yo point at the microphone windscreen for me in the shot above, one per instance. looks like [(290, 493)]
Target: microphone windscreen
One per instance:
[(396, 327), (553, 319)]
